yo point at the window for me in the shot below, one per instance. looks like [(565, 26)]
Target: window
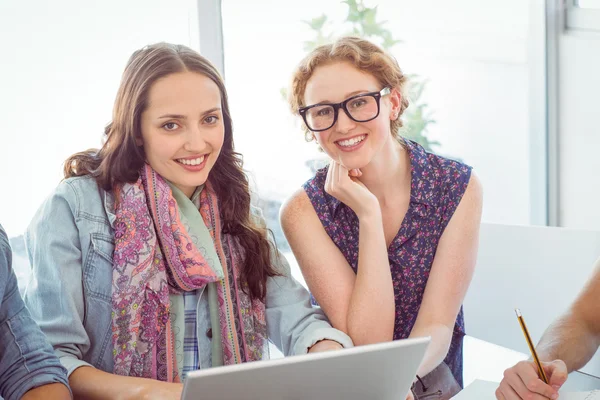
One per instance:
[(66, 59), (472, 59), (588, 4), (583, 15)]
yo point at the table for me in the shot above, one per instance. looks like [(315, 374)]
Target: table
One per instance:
[(487, 361)]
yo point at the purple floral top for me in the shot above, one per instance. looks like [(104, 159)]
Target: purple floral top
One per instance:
[(437, 186)]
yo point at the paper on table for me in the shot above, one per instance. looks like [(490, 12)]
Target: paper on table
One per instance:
[(486, 390), (593, 395), (478, 390)]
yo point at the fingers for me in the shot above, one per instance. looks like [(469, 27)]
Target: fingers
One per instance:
[(349, 190), (337, 173), (336, 170), (329, 178), (505, 392), (522, 382), (528, 373), (346, 175), (355, 173), (557, 373), (334, 182), (513, 383), (534, 389)]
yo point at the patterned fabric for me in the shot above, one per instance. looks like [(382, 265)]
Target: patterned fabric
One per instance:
[(184, 307), (155, 256), (191, 359), (177, 315), (437, 186), (184, 314)]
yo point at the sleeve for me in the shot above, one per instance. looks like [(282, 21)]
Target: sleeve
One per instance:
[(293, 324), (26, 359), (54, 294)]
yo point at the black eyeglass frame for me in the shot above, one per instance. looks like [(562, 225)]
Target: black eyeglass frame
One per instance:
[(343, 105)]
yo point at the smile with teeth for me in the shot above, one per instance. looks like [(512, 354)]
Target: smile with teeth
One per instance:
[(351, 142), (195, 161)]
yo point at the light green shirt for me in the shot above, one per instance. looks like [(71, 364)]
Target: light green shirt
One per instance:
[(192, 220)]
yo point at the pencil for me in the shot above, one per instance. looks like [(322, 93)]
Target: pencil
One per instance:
[(541, 372)]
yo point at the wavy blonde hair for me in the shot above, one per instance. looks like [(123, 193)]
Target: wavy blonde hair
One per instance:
[(361, 53)]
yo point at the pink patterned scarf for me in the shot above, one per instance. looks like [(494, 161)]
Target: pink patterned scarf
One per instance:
[(154, 256)]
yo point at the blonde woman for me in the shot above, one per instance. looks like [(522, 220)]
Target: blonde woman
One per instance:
[(386, 235)]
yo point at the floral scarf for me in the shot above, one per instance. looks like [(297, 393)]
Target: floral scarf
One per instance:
[(155, 256)]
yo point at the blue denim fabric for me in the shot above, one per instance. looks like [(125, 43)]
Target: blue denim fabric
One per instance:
[(26, 358), (70, 243)]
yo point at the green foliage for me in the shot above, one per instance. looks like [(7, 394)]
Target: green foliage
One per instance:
[(362, 21), (417, 117)]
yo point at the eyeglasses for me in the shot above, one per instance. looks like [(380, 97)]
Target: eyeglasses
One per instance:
[(360, 108)]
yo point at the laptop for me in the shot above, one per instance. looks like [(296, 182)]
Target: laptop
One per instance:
[(383, 371)]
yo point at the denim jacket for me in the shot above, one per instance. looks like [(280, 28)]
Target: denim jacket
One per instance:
[(26, 358), (70, 243)]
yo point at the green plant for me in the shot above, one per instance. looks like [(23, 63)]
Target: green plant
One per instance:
[(362, 21)]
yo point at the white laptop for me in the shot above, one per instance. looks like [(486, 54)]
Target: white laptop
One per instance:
[(383, 371)]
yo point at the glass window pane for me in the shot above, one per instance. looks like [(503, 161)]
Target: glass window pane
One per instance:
[(588, 3), (469, 65), (261, 50), (470, 68), (66, 60)]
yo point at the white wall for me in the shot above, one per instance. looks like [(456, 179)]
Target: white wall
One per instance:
[(579, 129), (537, 269)]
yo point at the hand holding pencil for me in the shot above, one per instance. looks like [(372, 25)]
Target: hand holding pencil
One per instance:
[(532, 379), (536, 359)]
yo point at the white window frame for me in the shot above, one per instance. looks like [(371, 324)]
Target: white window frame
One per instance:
[(210, 29), (543, 183), (554, 27), (547, 19), (581, 19)]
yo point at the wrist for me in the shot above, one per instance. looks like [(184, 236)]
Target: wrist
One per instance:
[(325, 345), (370, 214), (143, 388), (137, 391)]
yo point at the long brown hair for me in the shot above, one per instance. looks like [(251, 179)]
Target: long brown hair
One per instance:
[(120, 158)]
